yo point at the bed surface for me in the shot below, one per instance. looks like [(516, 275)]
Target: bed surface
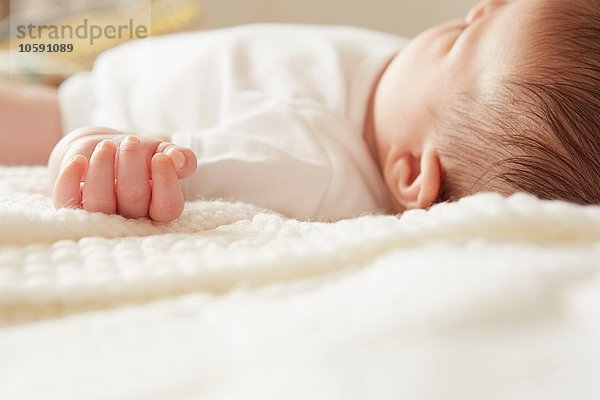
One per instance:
[(484, 298)]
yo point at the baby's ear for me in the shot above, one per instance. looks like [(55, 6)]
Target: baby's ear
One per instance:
[(414, 179)]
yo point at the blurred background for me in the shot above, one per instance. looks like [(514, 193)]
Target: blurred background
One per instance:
[(403, 17)]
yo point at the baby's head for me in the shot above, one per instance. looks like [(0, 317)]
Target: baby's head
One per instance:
[(507, 100)]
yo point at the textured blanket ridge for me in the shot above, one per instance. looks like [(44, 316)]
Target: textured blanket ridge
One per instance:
[(235, 302), (51, 260)]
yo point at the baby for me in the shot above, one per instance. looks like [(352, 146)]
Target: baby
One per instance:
[(334, 122)]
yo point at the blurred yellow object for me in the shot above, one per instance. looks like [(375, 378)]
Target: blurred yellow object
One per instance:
[(157, 16)]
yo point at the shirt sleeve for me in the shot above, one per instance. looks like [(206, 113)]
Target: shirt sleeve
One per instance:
[(268, 157), (299, 161), (76, 102)]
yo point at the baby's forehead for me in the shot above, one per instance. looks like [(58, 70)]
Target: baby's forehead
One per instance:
[(527, 36), (505, 41)]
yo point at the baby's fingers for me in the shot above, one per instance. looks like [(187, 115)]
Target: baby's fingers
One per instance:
[(67, 188), (99, 189), (167, 200), (133, 184)]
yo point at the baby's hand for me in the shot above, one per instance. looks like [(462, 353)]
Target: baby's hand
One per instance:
[(134, 177)]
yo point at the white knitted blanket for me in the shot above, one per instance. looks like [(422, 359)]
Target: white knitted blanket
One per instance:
[(487, 298)]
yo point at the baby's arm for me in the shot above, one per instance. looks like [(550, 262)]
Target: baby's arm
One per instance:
[(101, 170), (30, 123)]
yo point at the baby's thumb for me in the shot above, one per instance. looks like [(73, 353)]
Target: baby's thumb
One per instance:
[(183, 159)]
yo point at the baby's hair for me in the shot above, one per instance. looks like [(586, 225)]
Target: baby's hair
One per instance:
[(541, 132)]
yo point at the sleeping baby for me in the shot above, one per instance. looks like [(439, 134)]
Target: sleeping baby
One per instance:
[(333, 122)]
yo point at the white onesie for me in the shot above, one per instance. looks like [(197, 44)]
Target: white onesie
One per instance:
[(274, 112)]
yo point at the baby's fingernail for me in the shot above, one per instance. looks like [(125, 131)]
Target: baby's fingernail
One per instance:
[(130, 142), (103, 143), (132, 139), (178, 158)]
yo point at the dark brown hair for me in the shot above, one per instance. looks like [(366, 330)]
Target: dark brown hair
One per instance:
[(540, 133)]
